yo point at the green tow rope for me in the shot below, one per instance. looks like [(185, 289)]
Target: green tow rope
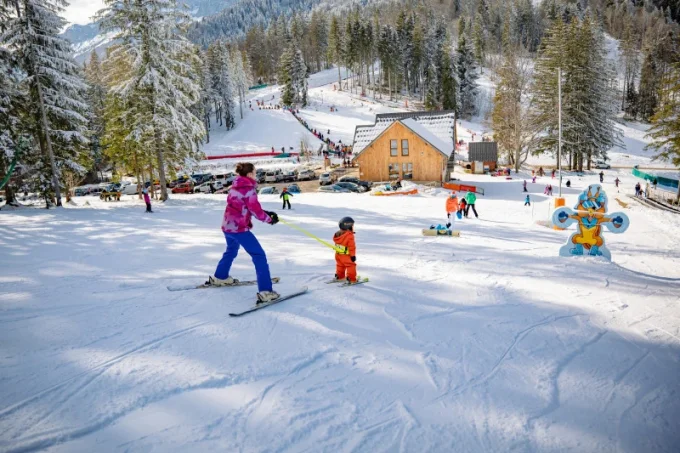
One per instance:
[(335, 248)]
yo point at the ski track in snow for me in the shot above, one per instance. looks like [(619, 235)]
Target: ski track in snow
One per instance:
[(487, 342)]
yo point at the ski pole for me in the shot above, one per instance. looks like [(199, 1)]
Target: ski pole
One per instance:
[(307, 233)]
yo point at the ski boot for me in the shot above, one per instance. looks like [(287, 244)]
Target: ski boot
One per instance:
[(214, 281), (266, 297)]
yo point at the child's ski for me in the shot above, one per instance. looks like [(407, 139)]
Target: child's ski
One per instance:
[(265, 305), (358, 282), (344, 280), (204, 286)]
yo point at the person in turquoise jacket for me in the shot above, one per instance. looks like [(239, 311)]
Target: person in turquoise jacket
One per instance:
[(470, 198), (286, 197)]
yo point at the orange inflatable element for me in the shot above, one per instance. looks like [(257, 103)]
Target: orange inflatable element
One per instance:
[(344, 267)]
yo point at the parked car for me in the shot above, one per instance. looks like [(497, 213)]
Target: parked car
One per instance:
[(294, 188), (185, 187), (205, 187), (260, 175), (325, 179), (288, 176), (130, 189), (268, 190), (95, 190), (351, 187), (81, 191), (200, 178), (306, 175), (357, 181), (600, 164), (272, 176), (333, 188)]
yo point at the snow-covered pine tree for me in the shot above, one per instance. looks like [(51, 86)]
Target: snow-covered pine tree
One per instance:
[(479, 38), (648, 98), (226, 87), (56, 89), (285, 77), (298, 72), (449, 84), (467, 78), (665, 130), (160, 85)]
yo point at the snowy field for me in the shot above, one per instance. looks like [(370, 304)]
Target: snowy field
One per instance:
[(487, 342)]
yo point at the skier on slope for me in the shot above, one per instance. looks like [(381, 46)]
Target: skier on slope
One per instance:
[(601, 176), (471, 198), (451, 208), (524, 187), (346, 251), (242, 203), (285, 195)]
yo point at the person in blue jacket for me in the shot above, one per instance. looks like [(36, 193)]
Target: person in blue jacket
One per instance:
[(527, 201)]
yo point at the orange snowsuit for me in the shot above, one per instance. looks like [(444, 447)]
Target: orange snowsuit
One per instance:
[(451, 205), (344, 266)]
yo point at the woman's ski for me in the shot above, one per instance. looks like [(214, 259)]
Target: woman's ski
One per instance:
[(267, 304), (204, 286)]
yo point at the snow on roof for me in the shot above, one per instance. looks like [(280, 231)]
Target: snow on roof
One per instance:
[(445, 147), (434, 127)]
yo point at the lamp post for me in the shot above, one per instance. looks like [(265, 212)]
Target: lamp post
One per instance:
[(559, 121)]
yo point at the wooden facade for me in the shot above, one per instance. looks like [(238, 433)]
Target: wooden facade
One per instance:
[(423, 162)]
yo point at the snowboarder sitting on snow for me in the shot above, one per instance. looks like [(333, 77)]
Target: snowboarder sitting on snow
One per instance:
[(286, 197), (345, 251), (451, 208)]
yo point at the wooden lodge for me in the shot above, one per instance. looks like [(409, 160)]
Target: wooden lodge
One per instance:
[(412, 146), (483, 156)]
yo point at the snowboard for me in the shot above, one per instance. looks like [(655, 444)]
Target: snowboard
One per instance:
[(360, 280), (283, 297), (204, 286), (434, 232)]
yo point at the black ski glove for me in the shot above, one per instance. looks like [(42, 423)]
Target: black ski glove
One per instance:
[(273, 216), (354, 258)]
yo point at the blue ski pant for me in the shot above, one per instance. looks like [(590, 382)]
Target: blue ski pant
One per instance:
[(249, 242)]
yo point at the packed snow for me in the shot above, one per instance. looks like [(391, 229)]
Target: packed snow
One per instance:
[(486, 342)]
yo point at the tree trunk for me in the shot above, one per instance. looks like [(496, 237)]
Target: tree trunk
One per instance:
[(389, 83), (161, 166), (47, 139), (339, 78), (240, 101)]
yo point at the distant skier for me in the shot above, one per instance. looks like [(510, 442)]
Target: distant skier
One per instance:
[(616, 182), (533, 180), (553, 173), (147, 199), (525, 186), (568, 183), (471, 198), (346, 251), (242, 203), (286, 197), (601, 176), (527, 201), (637, 189), (451, 208)]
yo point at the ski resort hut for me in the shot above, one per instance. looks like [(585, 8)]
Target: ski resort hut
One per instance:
[(483, 156), (409, 145)]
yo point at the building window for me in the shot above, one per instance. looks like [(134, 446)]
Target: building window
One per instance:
[(393, 171), (407, 171), (404, 147), (393, 148)]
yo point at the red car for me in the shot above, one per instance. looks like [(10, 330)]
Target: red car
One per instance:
[(185, 187)]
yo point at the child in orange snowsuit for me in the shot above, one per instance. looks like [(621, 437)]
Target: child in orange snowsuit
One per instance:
[(346, 249)]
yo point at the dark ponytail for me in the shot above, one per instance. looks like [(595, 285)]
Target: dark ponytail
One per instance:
[(243, 168)]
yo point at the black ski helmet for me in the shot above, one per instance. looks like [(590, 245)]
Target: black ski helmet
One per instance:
[(346, 223)]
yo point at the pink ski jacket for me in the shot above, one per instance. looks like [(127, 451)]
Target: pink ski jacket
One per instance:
[(241, 203)]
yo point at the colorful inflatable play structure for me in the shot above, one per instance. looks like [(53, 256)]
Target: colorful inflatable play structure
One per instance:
[(589, 215)]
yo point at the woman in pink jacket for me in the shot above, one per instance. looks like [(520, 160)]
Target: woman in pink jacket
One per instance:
[(242, 203)]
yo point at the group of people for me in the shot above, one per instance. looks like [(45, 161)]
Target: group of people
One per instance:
[(460, 208), (242, 205), (332, 146), (639, 192)]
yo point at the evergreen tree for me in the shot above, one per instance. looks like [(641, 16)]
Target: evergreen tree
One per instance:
[(299, 77), (56, 90), (285, 77), (160, 87), (665, 130), (648, 98), (449, 84), (479, 39), (335, 47), (12, 97), (467, 78), (96, 97)]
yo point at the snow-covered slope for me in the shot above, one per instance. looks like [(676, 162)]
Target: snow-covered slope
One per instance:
[(487, 342)]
